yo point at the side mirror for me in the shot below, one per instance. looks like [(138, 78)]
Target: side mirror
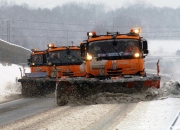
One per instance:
[(28, 61), (83, 49), (145, 45), (146, 51)]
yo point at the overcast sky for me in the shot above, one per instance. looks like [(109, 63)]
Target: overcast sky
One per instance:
[(110, 3)]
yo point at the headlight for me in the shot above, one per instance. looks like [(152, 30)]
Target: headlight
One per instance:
[(88, 57), (33, 63), (136, 55)]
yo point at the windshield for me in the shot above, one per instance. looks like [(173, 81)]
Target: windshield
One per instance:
[(114, 49), (65, 57), (37, 59)]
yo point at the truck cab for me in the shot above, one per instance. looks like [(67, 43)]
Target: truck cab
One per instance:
[(65, 61), (37, 63), (114, 54)]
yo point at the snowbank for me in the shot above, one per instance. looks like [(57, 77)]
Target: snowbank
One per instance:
[(9, 76)]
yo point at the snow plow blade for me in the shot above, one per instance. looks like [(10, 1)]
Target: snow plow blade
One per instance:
[(32, 87), (83, 87), (36, 84)]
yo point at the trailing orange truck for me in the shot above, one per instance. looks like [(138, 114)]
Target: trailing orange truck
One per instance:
[(65, 62), (48, 65), (33, 83), (114, 63)]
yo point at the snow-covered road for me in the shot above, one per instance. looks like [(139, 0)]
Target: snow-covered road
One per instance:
[(144, 115), (151, 115)]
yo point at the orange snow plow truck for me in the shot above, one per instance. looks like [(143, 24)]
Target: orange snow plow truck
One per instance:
[(114, 63), (33, 83), (47, 65)]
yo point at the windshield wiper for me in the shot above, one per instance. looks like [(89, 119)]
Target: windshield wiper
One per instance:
[(68, 59)]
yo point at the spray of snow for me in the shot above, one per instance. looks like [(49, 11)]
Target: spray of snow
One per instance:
[(171, 88)]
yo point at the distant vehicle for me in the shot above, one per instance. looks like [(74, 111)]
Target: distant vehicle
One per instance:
[(178, 52)]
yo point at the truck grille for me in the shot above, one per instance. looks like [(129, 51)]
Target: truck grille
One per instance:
[(68, 74), (114, 72)]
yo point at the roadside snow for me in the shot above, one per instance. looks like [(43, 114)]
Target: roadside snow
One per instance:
[(9, 86), (9, 76)]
